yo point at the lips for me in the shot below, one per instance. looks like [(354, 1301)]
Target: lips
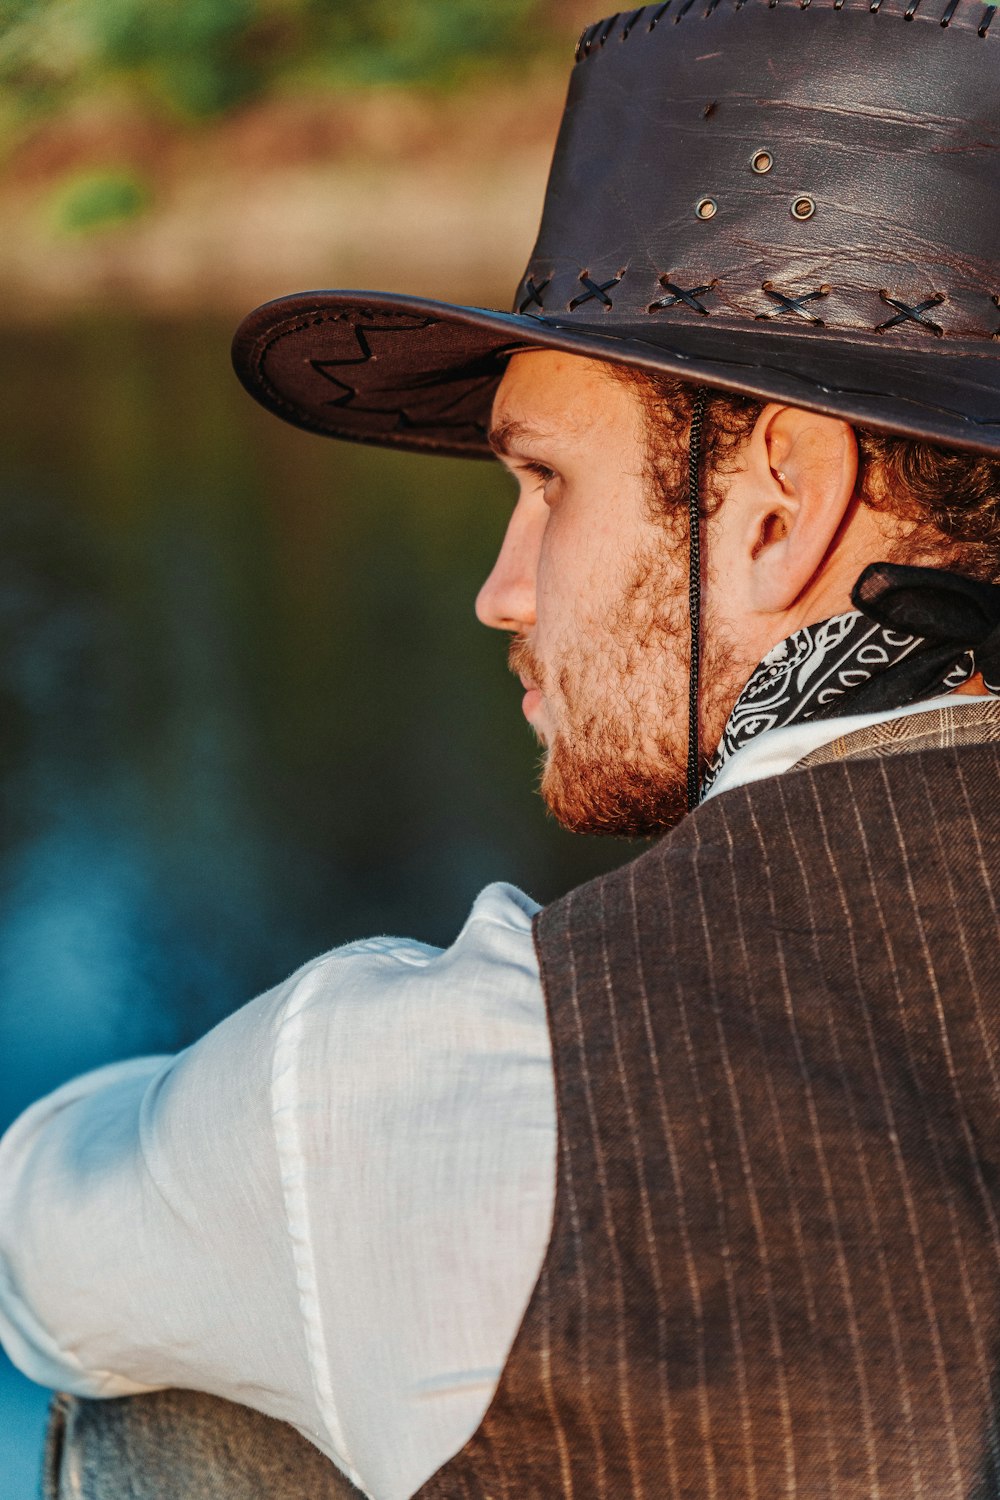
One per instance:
[(527, 669)]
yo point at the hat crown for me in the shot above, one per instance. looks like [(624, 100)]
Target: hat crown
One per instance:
[(828, 164), (793, 199)]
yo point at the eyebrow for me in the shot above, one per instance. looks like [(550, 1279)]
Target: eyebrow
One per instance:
[(503, 437)]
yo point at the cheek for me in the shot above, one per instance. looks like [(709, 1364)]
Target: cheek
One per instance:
[(580, 574)]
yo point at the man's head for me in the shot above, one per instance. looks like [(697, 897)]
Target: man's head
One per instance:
[(591, 580), (722, 236)]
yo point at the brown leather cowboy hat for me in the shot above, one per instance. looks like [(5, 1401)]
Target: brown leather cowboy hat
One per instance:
[(797, 199)]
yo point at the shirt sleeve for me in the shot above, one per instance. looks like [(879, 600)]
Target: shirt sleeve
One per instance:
[(331, 1208)]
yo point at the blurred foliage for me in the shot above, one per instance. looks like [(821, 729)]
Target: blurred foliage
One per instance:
[(200, 58), (98, 199)]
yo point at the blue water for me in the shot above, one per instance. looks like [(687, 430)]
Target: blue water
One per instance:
[(22, 1426), (245, 710)]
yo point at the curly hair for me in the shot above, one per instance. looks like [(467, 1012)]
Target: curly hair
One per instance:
[(948, 501)]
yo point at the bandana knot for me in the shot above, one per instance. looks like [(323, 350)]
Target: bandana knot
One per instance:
[(953, 615), (915, 633)]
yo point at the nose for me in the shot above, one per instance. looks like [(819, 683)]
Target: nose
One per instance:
[(506, 600)]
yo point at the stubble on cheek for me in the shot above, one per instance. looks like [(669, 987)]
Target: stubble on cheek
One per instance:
[(613, 686)]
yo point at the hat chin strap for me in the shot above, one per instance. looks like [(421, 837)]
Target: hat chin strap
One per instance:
[(694, 592)]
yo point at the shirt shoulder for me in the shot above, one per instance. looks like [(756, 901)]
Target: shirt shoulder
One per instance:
[(414, 1116), (500, 907), (332, 1207), (375, 987)]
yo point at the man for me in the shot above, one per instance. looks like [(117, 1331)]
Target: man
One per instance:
[(719, 1217)]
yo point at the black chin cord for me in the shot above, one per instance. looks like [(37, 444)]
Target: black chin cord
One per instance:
[(694, 594)]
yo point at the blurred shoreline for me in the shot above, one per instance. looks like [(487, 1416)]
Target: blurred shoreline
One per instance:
[(391, 189)]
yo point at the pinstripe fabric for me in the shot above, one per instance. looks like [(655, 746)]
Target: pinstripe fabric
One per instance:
[(775, 1261)]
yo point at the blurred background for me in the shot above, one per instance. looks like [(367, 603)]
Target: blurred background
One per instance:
[(245, 710)]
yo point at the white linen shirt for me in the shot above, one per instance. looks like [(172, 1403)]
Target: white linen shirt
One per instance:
[(333, 1207)]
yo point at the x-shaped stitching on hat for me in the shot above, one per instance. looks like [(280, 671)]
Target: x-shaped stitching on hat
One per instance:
[(534, 293), (788, 304), (677, 294), (598, 290), (907, 314)]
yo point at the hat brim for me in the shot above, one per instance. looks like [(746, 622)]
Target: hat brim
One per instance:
[(408, 372)]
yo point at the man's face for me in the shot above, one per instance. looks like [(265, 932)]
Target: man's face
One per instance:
[(592, 582)]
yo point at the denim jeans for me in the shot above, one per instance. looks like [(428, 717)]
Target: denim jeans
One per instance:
[(178, 1445)]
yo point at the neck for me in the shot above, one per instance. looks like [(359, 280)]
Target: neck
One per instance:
[(974, 688)]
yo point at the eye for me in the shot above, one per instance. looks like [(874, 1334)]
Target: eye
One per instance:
[(541, 472)]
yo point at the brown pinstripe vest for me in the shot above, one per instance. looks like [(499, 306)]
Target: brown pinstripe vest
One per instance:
[(774, 1268), (775, 1263)]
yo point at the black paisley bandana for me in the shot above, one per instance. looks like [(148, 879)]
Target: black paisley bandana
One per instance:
[(864, 662)]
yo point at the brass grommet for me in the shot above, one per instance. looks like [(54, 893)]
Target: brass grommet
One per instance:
[(803, 208), (761, 162), (706, 208)]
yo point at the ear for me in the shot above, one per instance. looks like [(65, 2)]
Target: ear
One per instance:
[(800, 480)]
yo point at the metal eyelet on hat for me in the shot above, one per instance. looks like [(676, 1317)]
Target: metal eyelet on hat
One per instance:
[(803, 208), (761, 162), (706, 208)]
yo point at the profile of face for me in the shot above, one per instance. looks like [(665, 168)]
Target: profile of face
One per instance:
[(593, 588), (591, 579)]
